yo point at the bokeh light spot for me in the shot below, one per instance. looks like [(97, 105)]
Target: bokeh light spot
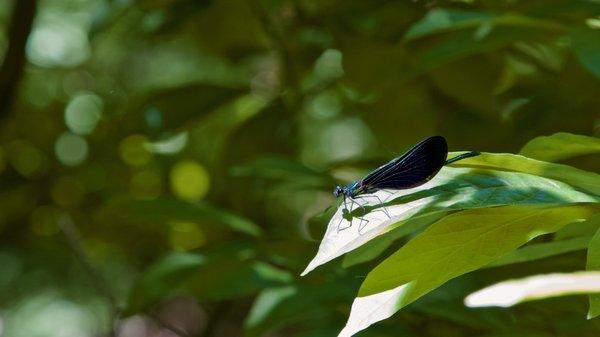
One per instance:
[(70, 149), (57, 43), (146, 184), (47, 314), (189, 180), (186, 236), (133, 150), (83, 113)]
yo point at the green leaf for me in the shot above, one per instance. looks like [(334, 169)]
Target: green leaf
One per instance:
[(443, 20), (229, 276), (462, 44), (168, 209), (440, 20), (266, 302), (560, 146), (509, 293), (581, 179), (209, 137), (279, 307), (281, 168), (451, 189), (453, 246), (466, 239), (542, 250), (593, 263), (577, 229), (586, 44), (225, 272)]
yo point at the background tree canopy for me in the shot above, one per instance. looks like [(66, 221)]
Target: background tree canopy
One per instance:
[(166, 167)]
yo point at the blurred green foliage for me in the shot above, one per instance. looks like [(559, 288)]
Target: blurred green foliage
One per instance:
[(166, 166)]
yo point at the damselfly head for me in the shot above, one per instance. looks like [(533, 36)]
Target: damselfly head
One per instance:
[(338, 190)]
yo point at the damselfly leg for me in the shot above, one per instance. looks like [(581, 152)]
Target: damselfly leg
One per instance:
[(381, 202), (347, 212)]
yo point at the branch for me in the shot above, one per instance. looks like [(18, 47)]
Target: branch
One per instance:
[(73, 237), (12, 66)]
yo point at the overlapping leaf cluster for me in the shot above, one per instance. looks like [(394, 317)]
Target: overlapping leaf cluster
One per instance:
[(499, 211)]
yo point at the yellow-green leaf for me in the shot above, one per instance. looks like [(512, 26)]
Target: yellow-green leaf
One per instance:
[(560, 146), (581, 179), (453, 246), (542, 250)]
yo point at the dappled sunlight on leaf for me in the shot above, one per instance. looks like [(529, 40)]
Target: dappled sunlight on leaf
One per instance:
[(453, 246), (451, 189), (509, 293), (585, 180)]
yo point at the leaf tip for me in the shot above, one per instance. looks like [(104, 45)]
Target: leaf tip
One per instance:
[(308, 269)]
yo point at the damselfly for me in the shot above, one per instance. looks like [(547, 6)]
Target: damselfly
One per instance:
[(414, 168)]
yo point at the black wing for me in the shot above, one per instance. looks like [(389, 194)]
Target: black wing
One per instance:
[(414, 168)]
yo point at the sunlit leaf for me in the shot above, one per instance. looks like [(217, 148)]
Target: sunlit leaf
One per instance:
[(509, 293), (451, 189), (585, 180), (379, 244), (453, 246), (560, 146)]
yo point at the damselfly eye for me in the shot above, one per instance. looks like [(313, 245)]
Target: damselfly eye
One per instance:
[(337, 191)]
